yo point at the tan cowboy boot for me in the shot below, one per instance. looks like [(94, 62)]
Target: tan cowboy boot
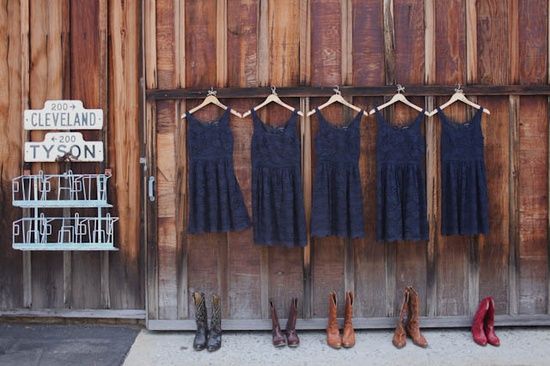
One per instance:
[(400, 336), (333, 334), (348, 335), (413, 326)]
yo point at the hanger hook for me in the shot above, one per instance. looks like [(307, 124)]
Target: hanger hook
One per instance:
[(212, 91), (273, 89), (400, 88), (458, 88), (337, 90)]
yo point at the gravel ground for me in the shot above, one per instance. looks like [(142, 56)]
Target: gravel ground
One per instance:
[(530, 346)]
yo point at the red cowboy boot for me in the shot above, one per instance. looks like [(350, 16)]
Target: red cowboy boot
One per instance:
[(489, 324), (478, 332)]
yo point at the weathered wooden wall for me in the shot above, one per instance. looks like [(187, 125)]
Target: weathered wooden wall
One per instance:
[(245, 43), (91, 50), (88, 50)]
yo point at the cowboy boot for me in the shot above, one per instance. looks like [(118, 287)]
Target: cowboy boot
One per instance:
[(199, 343), (348, 335), (278, 338), (215, 334), (333, 334), (478, 332), (489, 324), (400, 336), (291, 336), (413, 324)]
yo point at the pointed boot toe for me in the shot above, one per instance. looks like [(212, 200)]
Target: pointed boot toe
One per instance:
[(292, 339), (489, 324), (214, 342), (413, 324), (348, 334), (334, 339), (201, 318)]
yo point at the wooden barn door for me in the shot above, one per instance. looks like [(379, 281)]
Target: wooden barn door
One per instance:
[(258, 43)]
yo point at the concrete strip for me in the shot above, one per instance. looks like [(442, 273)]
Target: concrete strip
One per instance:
[(447, 347)]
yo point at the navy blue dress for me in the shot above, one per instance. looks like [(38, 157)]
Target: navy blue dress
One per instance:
[(337, 207), (215, 199), (463, 181), (400, 181), (277, 196)]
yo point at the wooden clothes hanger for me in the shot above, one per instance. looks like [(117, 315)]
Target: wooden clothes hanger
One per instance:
[(336, 97), (399, 97), (459, 96), (212, 99), (272, 98)]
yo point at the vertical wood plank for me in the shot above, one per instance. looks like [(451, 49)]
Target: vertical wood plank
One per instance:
[(305, 129), (513, 286), (451, 68), (390, 250), (368, 69), (411, 259), (472, 77), (150, 65), (221, 80), (513, 101), (431, 160), (533, 160), (202, 71), (85, 274), (493, 68), (126, 277), (12, 71), (46, 75), (327, 68), (263, 79), (285, 265), (182, 246), (167, 163)]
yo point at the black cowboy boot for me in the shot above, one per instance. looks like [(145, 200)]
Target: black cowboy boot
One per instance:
[(199, 343), (215, 333)]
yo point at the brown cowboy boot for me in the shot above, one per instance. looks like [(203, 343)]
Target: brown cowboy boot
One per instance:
[(348, 335), (413, 326), (292, 339), (333, 334), (400, 336), (278, 337)]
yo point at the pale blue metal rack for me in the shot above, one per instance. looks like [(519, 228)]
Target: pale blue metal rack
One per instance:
[(66, 190)]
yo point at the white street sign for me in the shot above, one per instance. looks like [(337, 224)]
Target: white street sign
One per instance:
[(63, 115), (63, 146)]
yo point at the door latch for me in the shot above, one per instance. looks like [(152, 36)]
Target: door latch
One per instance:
[(151, 188)]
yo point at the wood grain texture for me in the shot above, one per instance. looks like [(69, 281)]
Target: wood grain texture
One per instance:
[(368, 69), (451, 251), (166, 156), (533, 209), (285, 266), (411, 257), (244, 298), (328, 264), (204, 259), (11, 106), (533, 160), (46, 55), (494, 247), (85, 77), (126, 267)]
